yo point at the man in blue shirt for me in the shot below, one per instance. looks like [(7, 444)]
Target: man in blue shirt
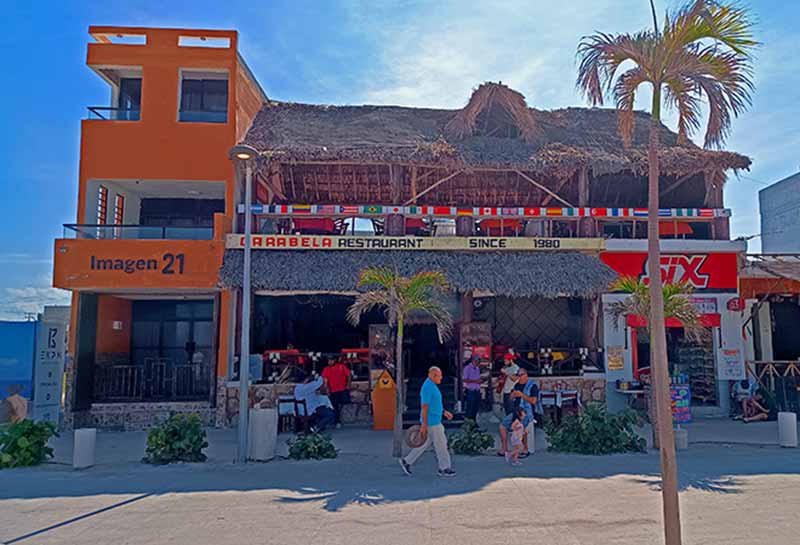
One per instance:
[(431, 426), (524, 396)]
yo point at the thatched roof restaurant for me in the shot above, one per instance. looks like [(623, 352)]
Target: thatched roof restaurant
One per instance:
[(498, 151), (513, 274)]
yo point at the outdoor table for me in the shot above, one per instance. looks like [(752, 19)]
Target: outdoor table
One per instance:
[(286, 357), (557, 399), (632, 395), (361, 360)]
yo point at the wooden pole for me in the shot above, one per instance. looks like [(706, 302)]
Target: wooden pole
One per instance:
[(543, 188), (434, 186)]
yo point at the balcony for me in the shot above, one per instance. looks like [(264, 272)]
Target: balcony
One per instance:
[(136, 232), (159, 379), (107, 113)]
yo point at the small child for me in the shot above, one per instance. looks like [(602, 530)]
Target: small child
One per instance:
[(515, 440)]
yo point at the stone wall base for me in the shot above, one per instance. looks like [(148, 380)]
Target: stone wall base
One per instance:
[(266, 396), (136, 416)]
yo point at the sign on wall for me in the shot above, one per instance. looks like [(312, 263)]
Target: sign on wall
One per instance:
[(51, 343), (713, 272), (312, 242), (136, 263), (615, 358), (730, 365)]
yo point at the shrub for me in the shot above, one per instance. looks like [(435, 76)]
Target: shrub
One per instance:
[(311, 446), (24, 443), (594, 431), (470, 440), (179, 439)]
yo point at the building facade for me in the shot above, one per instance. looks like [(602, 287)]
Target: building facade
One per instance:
[(779, 205), (530, 214)]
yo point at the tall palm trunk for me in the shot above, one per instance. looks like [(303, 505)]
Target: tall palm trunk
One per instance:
[(658, 339), (400, 398)]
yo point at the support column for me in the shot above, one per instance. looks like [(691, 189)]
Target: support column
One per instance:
[(465, 226), (585, 225), (395, 225)]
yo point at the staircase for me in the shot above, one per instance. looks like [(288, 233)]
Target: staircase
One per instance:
[(447, 387)]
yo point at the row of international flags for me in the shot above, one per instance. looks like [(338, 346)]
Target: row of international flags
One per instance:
[(491, 212)]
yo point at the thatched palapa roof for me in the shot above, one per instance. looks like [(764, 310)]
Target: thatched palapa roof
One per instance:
[(496, 129), (514, 274)]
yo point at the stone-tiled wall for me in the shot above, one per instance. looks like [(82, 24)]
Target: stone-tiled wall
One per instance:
[(592, 389), (137, 416), (266, 395)]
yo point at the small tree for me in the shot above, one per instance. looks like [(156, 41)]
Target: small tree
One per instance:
[(400, 298), (676, 305)]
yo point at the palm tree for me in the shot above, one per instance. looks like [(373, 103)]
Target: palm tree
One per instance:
[(703, 52), (676, 305), (401, 298)]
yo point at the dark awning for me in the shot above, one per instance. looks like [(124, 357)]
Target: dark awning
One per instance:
[(514, 274)]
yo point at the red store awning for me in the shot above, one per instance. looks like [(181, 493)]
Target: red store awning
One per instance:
[(708, 320)]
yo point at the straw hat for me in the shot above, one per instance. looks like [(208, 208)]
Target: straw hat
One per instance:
[(414, 437)]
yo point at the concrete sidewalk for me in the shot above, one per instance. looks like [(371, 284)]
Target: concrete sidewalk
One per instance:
[(115, 448)]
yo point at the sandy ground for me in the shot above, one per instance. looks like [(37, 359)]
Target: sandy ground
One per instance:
[(730, 494)]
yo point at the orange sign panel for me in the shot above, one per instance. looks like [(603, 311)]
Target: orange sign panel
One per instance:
[(94, 264)]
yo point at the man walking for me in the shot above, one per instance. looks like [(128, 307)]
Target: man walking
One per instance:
[(431, 427), (472, 389), (524, 396)]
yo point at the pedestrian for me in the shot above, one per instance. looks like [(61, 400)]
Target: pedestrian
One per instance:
[(337, 382), (319, 407), (525, 397), (516, 437), (431, 427), (472, 389), (509, 370)]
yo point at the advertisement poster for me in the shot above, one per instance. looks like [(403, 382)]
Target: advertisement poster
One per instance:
[(616, 359), (16, 369), (681, 403), (51, 342), (731, 365)]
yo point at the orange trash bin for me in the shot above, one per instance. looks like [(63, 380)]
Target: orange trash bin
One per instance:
[(384, 402)]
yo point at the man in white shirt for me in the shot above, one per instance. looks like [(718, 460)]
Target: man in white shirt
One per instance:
[(510, 371), (318, 405)]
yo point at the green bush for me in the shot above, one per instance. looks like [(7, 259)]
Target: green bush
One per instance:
[(179, 439), (311, 446), (470, 440), (24, 443), (594, 431)]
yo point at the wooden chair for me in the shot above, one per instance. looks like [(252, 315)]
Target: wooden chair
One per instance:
[(296, 421)]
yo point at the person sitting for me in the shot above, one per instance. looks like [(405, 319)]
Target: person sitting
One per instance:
[(319, 407), (762, 408), (744, 396)]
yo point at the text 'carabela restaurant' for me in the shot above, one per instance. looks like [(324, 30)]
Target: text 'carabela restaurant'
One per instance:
[(530, 214)]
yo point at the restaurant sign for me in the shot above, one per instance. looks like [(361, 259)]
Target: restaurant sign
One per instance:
[(712, 272), (309, 242)]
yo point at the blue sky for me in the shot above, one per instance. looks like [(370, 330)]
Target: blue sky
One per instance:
[(350, 52)]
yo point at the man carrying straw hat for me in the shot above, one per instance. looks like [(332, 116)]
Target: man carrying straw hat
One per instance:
[(431, 428)]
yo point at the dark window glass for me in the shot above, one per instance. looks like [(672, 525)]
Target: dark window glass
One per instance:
[(204, 100), (130, 93)]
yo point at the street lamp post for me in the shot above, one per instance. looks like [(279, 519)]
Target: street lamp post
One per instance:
[(245, 154)]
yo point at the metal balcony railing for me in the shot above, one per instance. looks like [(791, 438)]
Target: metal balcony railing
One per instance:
[(136, 232), (156, 379), (113, 114)]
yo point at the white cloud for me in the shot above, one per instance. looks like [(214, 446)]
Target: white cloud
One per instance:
[(15, 303)]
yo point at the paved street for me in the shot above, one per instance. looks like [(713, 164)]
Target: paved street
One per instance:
[(730, 494)]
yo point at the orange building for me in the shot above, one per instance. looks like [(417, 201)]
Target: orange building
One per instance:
[(155, 200)]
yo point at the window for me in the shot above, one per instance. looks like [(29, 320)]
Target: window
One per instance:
[(204, 100), (102, 205), (119, 209), (129, 103)]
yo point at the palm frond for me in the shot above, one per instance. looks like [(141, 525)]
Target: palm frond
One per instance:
[(625, 95), (441, 317), (602, 54), (368, 301), (681, 95), (383, 277)]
